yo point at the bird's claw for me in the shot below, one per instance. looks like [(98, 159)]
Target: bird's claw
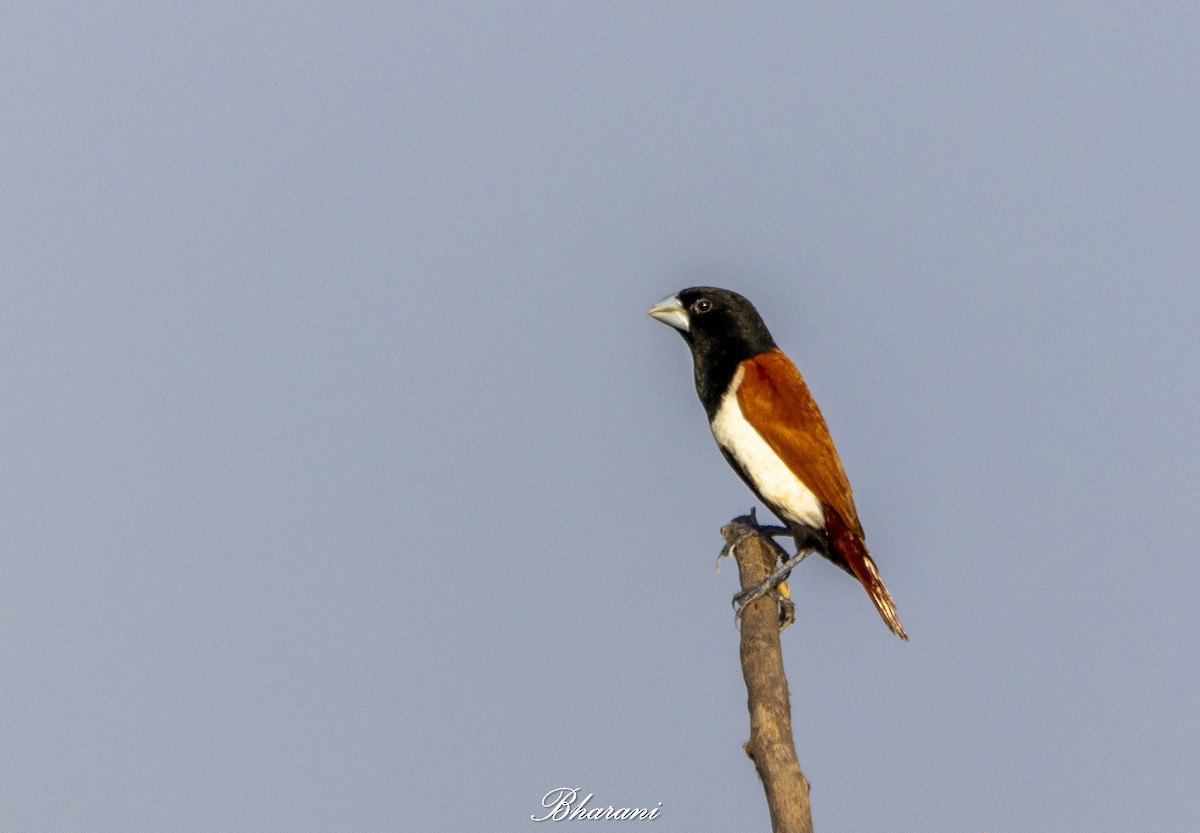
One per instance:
[(776, 585), (787, 608), (731, 545)]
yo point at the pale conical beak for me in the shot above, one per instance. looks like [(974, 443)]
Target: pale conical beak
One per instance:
[(670, 311)]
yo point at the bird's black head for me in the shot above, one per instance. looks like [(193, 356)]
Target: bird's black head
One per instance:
[(722, 329)]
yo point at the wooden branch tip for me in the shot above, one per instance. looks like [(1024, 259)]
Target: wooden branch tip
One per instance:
[(771, 746)]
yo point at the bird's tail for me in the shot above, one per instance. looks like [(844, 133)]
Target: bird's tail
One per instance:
[(853, 549)]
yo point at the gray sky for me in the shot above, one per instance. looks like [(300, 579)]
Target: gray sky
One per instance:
[(347, 486)]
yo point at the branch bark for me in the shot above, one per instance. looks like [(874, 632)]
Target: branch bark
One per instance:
[(770, 746)]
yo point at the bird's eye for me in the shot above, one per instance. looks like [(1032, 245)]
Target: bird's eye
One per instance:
[(702, 306)]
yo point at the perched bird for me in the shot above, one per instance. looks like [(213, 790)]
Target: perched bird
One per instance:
[(770, 430)]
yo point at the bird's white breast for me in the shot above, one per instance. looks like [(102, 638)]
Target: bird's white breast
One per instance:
[(773, 479)]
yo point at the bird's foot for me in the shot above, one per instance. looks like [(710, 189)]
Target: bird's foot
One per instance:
[(776, 585), (754, 528), (776, 531)]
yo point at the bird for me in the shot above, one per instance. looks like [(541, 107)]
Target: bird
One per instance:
[(770, 430)]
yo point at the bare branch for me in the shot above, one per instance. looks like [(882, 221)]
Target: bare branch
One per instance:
[(770, 746)]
